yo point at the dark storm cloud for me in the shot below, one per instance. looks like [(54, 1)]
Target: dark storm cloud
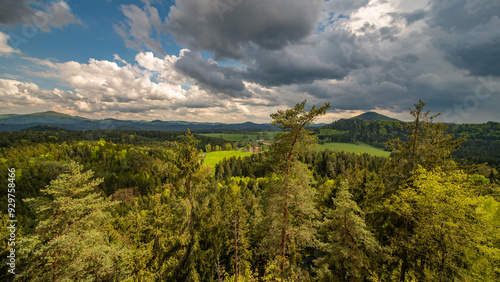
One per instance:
[(452, 15), (48, 14), (471, 34), (346, 6), (331, 55), (226, 27), (394, 84), (274, 40), (13, 11), (353, 95), (282, 68), (208, 72), (477, 50), (414, 16), (409, 18)]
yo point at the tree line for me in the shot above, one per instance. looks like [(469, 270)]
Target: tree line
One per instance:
[(481, 143)]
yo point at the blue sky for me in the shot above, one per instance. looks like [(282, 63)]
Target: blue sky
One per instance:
[(240, 60)]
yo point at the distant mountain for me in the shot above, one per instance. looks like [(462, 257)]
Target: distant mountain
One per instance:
[(374, 116), (45, 118), (39, 121)]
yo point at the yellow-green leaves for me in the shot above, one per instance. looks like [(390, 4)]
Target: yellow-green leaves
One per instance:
[(448, 234)]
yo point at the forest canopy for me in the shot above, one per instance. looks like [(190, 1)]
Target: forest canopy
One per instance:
[(118, 205)]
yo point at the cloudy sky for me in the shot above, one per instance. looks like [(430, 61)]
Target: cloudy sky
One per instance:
[(240, 60)]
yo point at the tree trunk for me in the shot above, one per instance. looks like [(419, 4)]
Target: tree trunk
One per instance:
[(54, 267), (404, 267), (236, 242), (283, 231), (285, 209)]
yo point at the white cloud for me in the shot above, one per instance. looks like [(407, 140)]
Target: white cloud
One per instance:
[(21, 97), (56, 15), (150, 89), (5, 48), (140, 28)]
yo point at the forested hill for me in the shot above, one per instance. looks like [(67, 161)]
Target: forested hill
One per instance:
[(56, 135), (482, 142), (374, 116), (19, 122)]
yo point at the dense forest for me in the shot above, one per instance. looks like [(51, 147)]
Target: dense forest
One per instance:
[(481, 142), (118, 205)]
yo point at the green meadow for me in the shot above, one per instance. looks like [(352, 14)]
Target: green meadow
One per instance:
[(236, 137), (353, 148), (212, 158)]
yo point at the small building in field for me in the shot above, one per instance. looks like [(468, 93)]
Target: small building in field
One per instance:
[(255, 149)]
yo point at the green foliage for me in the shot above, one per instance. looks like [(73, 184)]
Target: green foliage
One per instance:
[(480, 146), (286, 214), (375, 133), (73, 239), (297, 198), (348, 244), (295, 137), (241, 136), (448, 234), (428, 146), (289, 200)]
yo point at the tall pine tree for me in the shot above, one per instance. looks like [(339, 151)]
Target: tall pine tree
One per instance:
[(290, 191), (348, 244), (73, 239), (428, 146)]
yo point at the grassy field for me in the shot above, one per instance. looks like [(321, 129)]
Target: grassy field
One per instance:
[(235, 137), (213, 158), (353, 148)]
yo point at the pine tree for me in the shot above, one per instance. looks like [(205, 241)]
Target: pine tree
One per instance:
[(147, 225), (429, 147), (188, 200), (292, 191), (348, 244), (73, 239)]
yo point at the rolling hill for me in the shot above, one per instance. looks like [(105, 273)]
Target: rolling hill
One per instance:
[(374, 116), (12, 122)]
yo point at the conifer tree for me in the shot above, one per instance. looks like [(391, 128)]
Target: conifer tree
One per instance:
[(292, 191), (348, 244), (147, 225), (73, 239), (429, 147), (188, 200)]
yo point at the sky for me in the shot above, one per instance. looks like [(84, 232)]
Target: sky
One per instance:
[(241, 60)]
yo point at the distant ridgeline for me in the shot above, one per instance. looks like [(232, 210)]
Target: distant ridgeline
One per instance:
[(20, 122), (56, 135), (482, 143)]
